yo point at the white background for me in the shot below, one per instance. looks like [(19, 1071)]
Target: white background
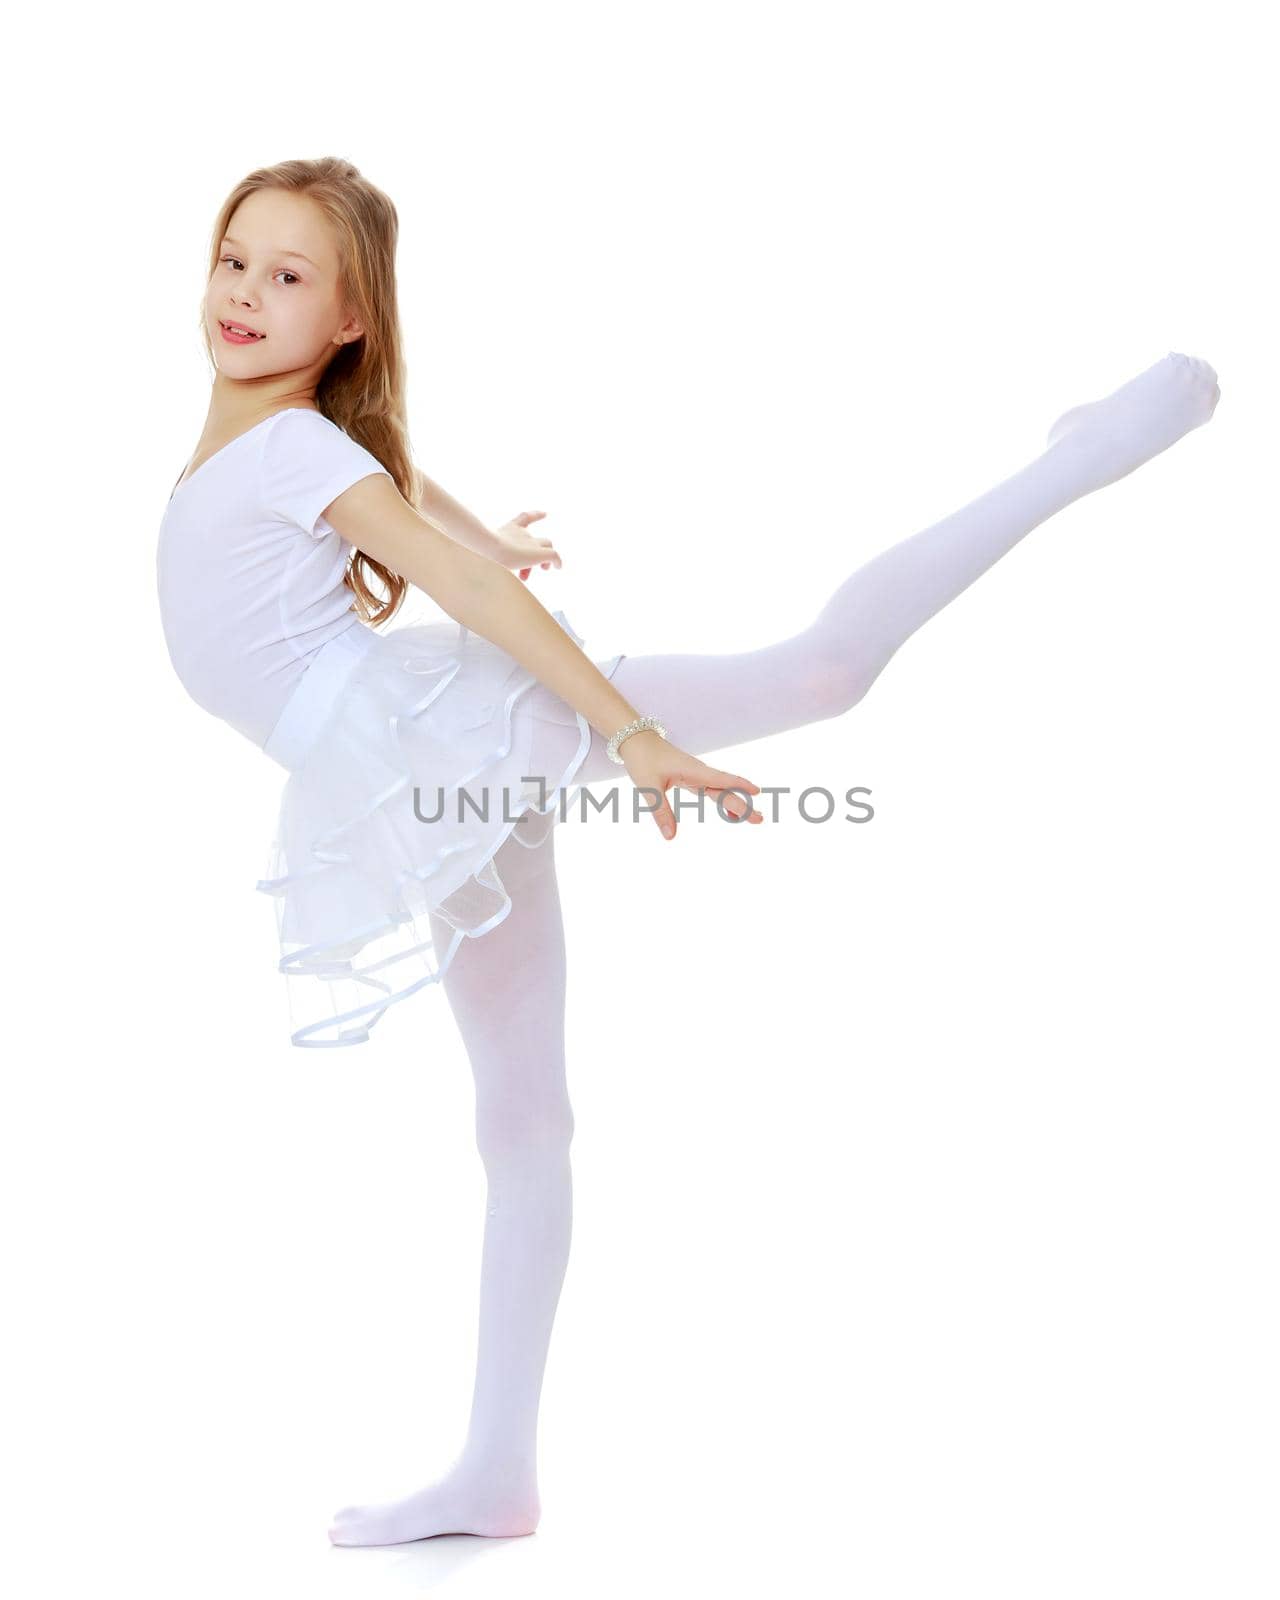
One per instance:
[(925, 1172)]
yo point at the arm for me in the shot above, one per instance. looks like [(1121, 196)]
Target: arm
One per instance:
[(489, 599), (453, 519), (372, 515), (511, 546)]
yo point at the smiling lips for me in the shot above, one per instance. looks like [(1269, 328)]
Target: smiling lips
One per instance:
[(237, 333)]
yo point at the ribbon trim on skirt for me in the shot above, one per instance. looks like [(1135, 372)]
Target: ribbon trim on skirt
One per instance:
[(360, 864)]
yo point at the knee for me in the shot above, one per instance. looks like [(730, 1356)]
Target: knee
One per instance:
[(523, 1126), (834, 680)]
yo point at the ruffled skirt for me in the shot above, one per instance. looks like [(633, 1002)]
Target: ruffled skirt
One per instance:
[(408, 758)]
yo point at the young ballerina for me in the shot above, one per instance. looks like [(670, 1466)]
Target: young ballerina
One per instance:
[(415, 840)]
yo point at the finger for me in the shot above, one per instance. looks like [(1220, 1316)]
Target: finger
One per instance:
[(735, 780), (726, 800), (704, 777), (715, 779)]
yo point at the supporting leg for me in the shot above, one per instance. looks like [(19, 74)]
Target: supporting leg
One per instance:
[(506, 990)]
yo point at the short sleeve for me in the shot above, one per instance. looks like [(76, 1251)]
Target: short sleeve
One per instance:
[(307, 461)]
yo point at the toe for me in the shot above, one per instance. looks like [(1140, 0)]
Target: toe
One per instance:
[(348, 1526), (1206, 382), (351, 1531)]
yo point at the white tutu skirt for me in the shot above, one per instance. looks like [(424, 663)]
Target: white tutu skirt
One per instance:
[(408, 760)]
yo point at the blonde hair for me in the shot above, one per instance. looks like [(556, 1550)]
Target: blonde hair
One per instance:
[(362, 389)]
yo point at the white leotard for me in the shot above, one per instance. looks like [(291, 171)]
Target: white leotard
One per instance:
[(250, 573)]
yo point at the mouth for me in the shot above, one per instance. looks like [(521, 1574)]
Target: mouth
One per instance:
[(237, 333)]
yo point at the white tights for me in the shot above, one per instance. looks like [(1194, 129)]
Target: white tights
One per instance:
[(506, 989)]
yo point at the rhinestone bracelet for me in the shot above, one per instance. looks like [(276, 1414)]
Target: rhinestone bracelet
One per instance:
[(638, 726)]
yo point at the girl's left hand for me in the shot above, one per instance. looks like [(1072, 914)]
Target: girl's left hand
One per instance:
[(521, 550)]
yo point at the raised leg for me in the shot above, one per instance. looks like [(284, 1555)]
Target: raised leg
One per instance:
[(711, 702)]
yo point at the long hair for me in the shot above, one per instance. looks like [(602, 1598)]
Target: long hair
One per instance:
[(362, 389)]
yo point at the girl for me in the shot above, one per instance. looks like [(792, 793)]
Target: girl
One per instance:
[(415, 837)]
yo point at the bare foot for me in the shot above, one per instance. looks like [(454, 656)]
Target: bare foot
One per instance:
[(463, 1501), (1140, 419)]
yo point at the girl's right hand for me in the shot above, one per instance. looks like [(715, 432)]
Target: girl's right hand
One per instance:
[(654, 765)]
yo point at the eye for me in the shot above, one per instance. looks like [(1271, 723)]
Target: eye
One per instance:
[(284, 270)]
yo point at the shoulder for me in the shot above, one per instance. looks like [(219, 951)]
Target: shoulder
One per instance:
[(301, 438), (299, 427), (306, 461)]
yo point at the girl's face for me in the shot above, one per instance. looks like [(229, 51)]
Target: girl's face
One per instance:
[(277, 275)]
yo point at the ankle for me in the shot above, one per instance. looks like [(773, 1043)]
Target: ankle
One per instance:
[(1068, 471), (497, 1469)]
